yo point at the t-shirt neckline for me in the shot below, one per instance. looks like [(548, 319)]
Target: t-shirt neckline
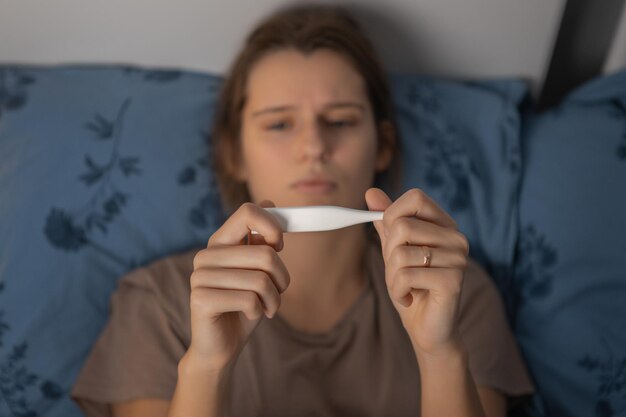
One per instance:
[(326, 336)]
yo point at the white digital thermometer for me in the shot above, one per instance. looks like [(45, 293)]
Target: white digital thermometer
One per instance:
[(320, 218)]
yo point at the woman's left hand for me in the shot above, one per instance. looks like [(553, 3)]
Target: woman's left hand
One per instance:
[(425, 259)]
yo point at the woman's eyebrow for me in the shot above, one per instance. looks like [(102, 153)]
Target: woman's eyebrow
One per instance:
[(346, 104), (272, 110), (335, 105)]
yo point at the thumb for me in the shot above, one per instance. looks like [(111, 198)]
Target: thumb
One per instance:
[(377, 200), (259, 239)]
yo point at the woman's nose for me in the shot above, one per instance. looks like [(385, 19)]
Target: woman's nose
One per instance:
[(313, 144)]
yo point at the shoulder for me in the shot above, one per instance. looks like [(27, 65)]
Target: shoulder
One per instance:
[(160, 271), (478, 284), (495, 359), (165, 280), (481, 307), (147, 331)]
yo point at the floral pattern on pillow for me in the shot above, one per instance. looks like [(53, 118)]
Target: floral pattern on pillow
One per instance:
[(70, 230)]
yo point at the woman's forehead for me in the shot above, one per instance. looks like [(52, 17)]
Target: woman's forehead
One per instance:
[(288, 77)]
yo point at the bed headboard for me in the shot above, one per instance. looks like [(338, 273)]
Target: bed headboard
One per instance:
[(585, 37), (555, 44)]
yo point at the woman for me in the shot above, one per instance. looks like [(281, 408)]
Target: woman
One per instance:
[(345, 322)]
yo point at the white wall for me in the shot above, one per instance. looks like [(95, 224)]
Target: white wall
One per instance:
[(457, 38)]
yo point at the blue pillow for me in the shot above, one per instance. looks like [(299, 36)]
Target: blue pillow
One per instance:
[(101, 169), (461, 144), (106, 168), (570, 275)]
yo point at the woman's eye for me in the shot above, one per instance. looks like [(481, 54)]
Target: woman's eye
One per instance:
[(282, 125), (341, 123)]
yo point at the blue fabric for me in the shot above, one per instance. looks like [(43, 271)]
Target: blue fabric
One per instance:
[(105, 168), (461, 144), (102, 169), (570, 275)]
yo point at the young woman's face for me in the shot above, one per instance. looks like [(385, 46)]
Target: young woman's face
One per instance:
[(308, 131)]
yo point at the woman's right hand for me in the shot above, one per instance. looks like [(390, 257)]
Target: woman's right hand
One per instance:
[(234, 284)]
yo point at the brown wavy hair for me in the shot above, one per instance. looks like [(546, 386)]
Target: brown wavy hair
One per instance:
[(304, 28)]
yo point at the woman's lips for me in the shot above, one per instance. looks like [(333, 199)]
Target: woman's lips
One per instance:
[(314, 187)]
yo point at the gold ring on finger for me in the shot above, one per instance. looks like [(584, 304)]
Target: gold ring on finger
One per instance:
[(427, 256)]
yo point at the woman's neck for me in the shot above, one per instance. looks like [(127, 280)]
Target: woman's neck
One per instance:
[(326, 268)]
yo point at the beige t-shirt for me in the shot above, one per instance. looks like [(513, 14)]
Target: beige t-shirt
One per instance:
[(364, 366)]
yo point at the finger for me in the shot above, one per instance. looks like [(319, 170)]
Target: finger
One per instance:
[(377, 200), (248, 217), (404, 256), (253, 257), (242, 280), (416, 203), (258, 239), (212, 302), (412, 231), (441, 283)]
